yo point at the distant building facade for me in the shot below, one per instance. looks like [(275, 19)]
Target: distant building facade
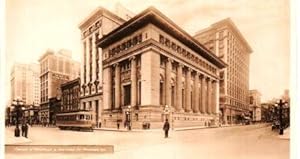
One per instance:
[(267, 111), (70, 96), (25, 83), (255, 105), (94, 27), (153, 70), (56, 69), (225, 41)]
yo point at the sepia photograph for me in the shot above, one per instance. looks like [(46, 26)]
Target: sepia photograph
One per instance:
[(129, 79)]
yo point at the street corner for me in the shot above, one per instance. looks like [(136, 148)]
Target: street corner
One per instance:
[(17, 140), (286, 134), (10, 139)]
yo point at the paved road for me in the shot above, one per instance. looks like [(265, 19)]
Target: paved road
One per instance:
[(242, 142)]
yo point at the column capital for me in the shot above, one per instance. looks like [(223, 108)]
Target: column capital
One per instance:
[(189, 69), (197, 73), (132, 58), (180, 65), (116, 64), (169, 60)]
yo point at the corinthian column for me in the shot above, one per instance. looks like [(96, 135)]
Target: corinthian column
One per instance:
[(196, 96), (188, 90), (168, 81), (203, 95), (209, 96), (214, 97), (179, 88), (133, 76), (117, 85)]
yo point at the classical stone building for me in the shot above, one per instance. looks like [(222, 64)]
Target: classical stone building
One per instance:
[(255, 105), (226, 42), (152, 70), (98, 23), (56, 69)]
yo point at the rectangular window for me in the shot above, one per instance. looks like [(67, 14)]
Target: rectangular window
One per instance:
[(161, 93), (127, 95), (84, 106), (90, 105), (139, 93)]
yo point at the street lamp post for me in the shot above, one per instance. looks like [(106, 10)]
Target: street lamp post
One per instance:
[(17, 104), (281, 103), (128, 117)]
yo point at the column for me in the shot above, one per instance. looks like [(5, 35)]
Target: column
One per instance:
[(150, 67), (188, 91), (203, 95), (107, 87), (213, 97), (179, 88), (133, 76), (196, 93), (168, 81), (208, 96), (217, 99), (117, 85)]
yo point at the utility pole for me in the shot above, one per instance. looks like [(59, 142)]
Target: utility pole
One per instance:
[(281, 103)]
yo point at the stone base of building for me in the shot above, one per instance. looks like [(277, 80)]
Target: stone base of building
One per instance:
[(155, 116)]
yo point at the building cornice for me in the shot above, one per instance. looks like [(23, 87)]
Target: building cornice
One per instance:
[(72, 82), (229, 23), (100, 11), (156, 47), (153, 16)]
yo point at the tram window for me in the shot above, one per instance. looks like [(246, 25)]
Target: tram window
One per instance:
[(81, 116), (87, 117), (77, 117)]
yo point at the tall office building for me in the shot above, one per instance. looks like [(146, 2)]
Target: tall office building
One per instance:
[(25, 83), (56, 69), (95, 26), (225, 41)]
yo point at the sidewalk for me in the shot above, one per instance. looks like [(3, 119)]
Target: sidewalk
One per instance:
[(286, 134), (175, 129), (10, 139), (126, 130)]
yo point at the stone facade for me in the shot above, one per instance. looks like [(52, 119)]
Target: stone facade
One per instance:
[(56, 69), (255, 105), (153, 70), (225, 41), (70, 97), (94, 27)]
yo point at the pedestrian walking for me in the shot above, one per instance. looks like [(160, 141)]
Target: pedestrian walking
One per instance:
[(166, 128), (26, 129), (118, 125), (23, 129)]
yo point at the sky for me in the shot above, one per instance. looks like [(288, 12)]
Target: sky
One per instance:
[(33, 26)]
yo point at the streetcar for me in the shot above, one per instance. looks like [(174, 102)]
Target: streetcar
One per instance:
[(79, 120)]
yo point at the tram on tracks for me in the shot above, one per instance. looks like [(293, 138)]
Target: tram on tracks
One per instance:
[(78, 120)]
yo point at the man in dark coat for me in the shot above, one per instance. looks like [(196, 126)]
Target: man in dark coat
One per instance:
[(166, 128), (23, 129), (26, 129)]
